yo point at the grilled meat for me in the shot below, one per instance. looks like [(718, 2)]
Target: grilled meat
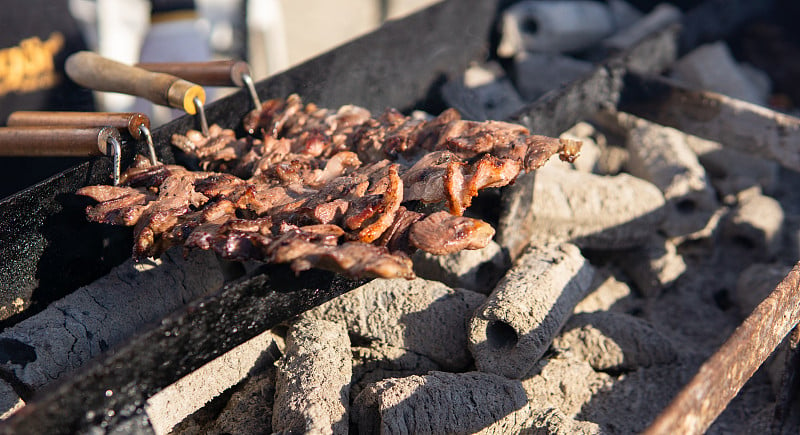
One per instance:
[(319, 188)]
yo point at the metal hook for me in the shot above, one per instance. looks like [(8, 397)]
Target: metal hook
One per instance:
[(150, 146), (116, 155), (198, 105), (106, 136), (251, 87)]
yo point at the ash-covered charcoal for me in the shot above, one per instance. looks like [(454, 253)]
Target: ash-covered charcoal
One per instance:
[(319, 188)]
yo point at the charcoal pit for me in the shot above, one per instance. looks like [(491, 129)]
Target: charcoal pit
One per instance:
[(651, 264)]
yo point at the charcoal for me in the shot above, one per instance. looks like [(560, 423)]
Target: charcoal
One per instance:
[(593, 211), (95, 318), (756, 223), (438, 402), (662, 156), (425, 317), (514, 327), (476, 270), (311, 391), (653, 266), (712, 67), (553, 26)]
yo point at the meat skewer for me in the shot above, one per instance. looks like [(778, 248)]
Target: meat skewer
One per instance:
[(319, 188)]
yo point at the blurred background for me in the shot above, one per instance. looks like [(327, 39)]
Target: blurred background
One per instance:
[(272, 35), (36, 36)]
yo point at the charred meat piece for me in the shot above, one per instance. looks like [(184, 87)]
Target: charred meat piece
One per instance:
[(176, 197), (442, 233), (374, 213), (395, 238), (119, 205)]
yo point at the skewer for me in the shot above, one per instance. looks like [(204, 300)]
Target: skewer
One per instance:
[(96, 72), (116, 156), (201, 113), (63, 142), (135, 123), (251, 87), (213, 73), (148, 137)]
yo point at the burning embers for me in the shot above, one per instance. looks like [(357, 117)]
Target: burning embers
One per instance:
[(330, 189)]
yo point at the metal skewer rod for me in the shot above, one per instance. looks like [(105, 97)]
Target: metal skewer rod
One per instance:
[(201, 112), (251, 87), (149, 140), (116, 156)]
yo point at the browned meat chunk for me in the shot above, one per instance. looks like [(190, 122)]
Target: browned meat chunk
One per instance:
[(442, 233), (319, 188), (119, 205)]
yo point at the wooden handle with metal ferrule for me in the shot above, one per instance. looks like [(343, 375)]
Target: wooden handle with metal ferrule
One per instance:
[(128, 121), (212, 73), (93, 71), (55, 141)]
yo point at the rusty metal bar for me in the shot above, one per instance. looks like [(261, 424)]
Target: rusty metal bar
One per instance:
[(738, 124), (721, 377)]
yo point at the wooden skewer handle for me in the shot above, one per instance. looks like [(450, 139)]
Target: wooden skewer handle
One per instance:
[(212, 73), (93, 71), (128, 121), (55, 141)]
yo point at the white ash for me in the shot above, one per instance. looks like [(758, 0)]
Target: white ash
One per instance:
[(659, 18), (536, 74), (625, 14), (244, 409), (553, 26), (551, 421), (755, 283), (614, 342), (758, 78), (500, 99), (607, 293), (495, 100), (311, 389), (177, 401), (436, 403), (635, 398), (485, 93), (662, 156), (565, 382), (653, 266)]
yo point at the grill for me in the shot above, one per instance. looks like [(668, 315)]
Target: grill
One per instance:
[(47, 249)]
